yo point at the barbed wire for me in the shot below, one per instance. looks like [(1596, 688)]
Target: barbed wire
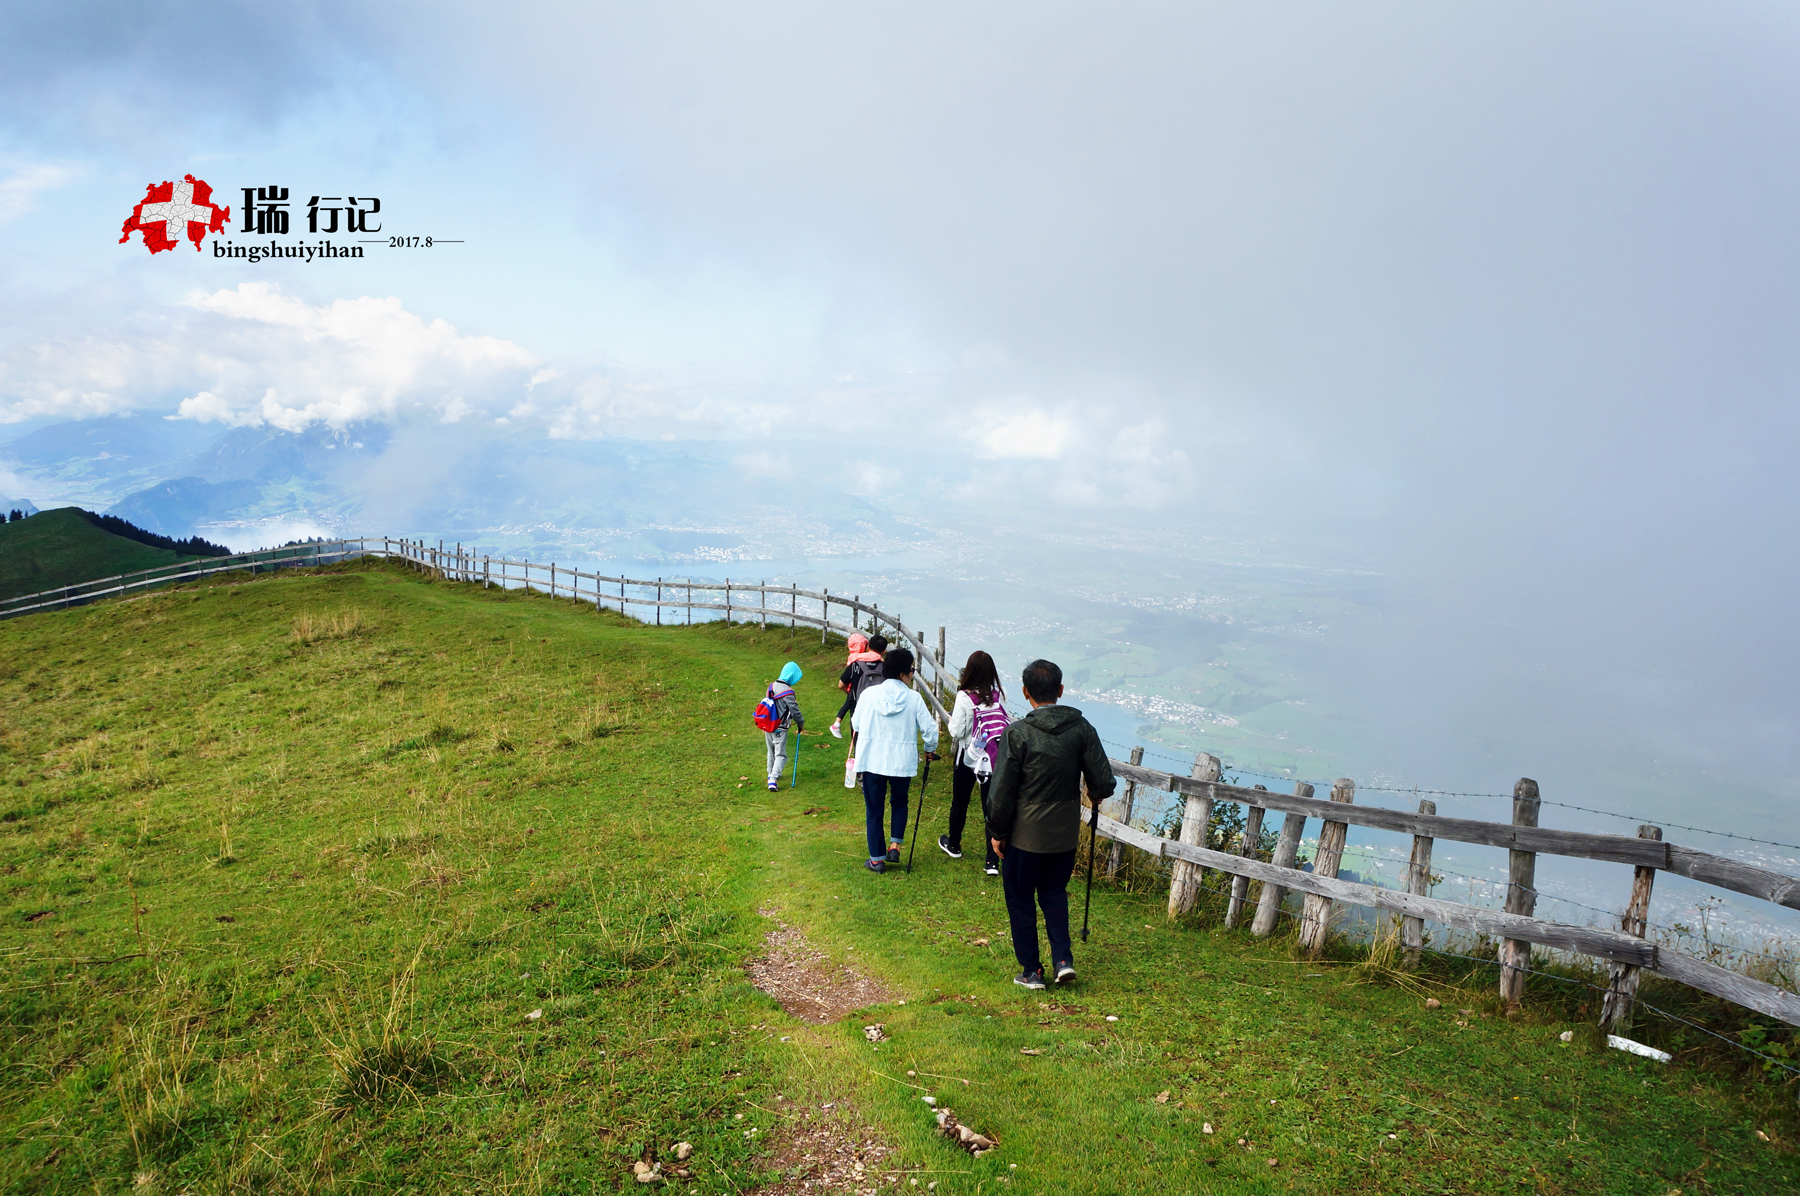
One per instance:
[(1419, 791), (1701, 830), (1426, 792)]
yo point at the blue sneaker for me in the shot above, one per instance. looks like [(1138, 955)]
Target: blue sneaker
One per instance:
[(1032, 980)]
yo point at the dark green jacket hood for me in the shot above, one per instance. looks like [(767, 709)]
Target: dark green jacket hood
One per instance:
[(1035, 803)]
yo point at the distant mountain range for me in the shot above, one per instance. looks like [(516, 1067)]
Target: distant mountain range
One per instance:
[(691, 501)]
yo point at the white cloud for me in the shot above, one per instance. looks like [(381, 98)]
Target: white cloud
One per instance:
[(19, 189), (90, 376), (296, 364), (254, 355), (1023, 435), (764, 465)]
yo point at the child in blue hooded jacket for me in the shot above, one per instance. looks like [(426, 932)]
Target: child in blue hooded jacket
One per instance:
[(781, 692)]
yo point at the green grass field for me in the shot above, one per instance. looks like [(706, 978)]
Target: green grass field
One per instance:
[(356, 881), (60, 548)]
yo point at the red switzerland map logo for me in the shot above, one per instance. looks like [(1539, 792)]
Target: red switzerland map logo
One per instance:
[(169, 211)]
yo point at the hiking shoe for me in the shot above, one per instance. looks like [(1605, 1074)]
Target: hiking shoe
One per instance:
[(1065, 972), (992, 869), (835, 724), (774, 786), (893, 855), (876, 865), (944, 846), (1032, 980)]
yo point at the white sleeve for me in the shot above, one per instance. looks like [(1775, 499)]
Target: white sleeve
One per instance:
[(962, 717), (927, 724)]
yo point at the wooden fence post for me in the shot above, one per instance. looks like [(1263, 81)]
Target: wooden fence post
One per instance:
[(1196, 815), (1621, 992), (855, 612), (1287, 850), (659, 602), (824, 615), (690, 603), (762, 597), (793, 609), (487, 570), (621, 592), (1240, 885), (940, 655), (1118, 848), (1418, 883), (1315, 917), (728, 602), (1521, 894)]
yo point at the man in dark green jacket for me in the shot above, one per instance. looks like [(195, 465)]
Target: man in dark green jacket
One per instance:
[(1034, 817)]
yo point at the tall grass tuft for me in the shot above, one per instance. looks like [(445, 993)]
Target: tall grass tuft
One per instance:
[(313, 626), (384, 1060), (84, 756), (154, 1066)]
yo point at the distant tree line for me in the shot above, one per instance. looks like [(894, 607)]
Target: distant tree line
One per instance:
[(192, 546), (15, 516)]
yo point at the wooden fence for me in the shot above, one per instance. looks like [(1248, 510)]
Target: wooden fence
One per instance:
[(1629, 952), (648, 599), (144, 580)]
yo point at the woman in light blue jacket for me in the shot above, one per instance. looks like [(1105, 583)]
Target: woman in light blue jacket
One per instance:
[(889, 721)]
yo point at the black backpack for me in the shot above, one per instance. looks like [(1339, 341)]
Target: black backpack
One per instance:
[(868, 675)]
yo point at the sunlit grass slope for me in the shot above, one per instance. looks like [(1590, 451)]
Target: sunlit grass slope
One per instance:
[(355, 881), (60, 548)]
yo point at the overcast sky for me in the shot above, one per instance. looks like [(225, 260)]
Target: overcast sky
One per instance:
[(1498, 299)]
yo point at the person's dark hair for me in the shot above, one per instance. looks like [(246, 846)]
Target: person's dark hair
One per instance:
[(897, 663), (1042, 680), (878, 643), (980, 678)]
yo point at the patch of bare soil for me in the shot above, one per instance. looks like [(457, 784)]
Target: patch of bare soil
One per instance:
[(806, 983), (827, 1151)]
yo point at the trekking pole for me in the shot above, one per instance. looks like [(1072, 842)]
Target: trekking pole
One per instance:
[(796, 781), (1093, 846), (914, 847)]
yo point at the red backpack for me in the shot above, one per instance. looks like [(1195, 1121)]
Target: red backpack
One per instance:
[(768, 711)]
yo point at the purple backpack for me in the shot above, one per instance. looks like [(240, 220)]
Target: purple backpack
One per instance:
[(990, 723)]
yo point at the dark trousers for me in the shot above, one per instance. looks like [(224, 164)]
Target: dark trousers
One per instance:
[(849, 706), (1029, 878), (962, 787), (875, 791)]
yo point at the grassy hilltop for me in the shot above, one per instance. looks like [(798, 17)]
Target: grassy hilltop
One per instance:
[(355, 881), (60, 548)]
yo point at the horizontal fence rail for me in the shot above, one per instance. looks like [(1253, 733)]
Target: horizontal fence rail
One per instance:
[(80, 593), (655, 595), (1718, 870), (650, 599), (459, 564), (1626, 948)]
